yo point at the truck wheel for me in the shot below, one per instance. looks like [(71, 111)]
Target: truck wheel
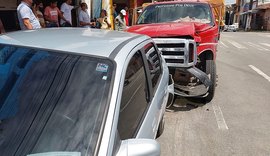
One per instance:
[(211, 72), (160, 127)]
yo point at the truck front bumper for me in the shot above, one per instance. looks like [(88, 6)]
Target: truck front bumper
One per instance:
[(198, 90), (182, 54)]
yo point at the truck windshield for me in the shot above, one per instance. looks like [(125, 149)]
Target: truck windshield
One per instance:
[(183, 12), (51, 101)]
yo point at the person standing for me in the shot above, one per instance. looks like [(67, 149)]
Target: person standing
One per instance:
[(84, 17), (27, 18), (36, 9), (66, 10), (127, 16), (103, 20), (114, 11), (120, 22), (52, 13)]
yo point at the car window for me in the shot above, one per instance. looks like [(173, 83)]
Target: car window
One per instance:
[(134, 97), (51, 101), (153, 59)]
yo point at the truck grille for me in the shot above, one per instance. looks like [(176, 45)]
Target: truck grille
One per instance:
[(177, 52)]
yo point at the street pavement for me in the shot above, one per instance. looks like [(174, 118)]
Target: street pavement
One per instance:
[(237, 121)]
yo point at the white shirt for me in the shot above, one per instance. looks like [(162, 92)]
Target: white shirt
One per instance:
[(120, 24), (84, 17), (24, 11), (66, 9)]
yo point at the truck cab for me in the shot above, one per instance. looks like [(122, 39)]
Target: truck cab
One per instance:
[(186, 32)]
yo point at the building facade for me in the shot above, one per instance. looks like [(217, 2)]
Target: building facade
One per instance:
[(264, 13), (253, 14)]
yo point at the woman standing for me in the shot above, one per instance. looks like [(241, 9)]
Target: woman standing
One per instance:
[(103, 20), (36, 9)]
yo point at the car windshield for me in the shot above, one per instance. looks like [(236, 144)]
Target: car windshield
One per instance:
[(188, 12), (51, 101)]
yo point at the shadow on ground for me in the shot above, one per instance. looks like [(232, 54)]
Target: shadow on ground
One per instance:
[(186, 104)]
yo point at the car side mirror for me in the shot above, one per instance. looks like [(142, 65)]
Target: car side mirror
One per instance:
[(139, 147)]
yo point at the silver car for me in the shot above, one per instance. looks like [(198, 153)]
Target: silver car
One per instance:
[(80, 92)]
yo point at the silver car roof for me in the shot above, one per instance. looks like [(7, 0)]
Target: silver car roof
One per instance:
[(78, 40)]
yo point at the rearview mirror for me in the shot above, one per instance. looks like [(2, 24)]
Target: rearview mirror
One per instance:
[(139, 147)]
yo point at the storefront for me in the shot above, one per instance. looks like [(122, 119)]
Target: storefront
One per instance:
[(8, 13), (264, 13)]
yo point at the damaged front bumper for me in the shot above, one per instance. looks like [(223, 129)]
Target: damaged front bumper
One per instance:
[(198, 89), (181, 55)]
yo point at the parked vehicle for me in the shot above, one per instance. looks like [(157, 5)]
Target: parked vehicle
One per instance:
[(186, 32), (78, 92), (231, 28)]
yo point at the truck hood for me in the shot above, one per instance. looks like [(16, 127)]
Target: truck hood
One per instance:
[(170, 29)]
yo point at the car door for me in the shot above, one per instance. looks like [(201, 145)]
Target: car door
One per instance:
[(159, 86), (136, 97), (139, 113)]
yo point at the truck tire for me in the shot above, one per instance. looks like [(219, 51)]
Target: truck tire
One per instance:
[(211, 72), (161, 127)]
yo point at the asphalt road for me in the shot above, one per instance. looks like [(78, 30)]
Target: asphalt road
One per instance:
[(237, 121)]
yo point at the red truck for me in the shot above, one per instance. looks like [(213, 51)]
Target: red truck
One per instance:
[(186, 32)]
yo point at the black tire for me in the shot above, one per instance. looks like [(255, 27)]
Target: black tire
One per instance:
[(211, 72), (160, 127)]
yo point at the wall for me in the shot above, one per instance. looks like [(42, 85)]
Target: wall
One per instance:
[(267, 19), (8, 4), (8, 14)]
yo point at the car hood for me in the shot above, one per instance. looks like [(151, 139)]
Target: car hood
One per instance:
[(170, 29)]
